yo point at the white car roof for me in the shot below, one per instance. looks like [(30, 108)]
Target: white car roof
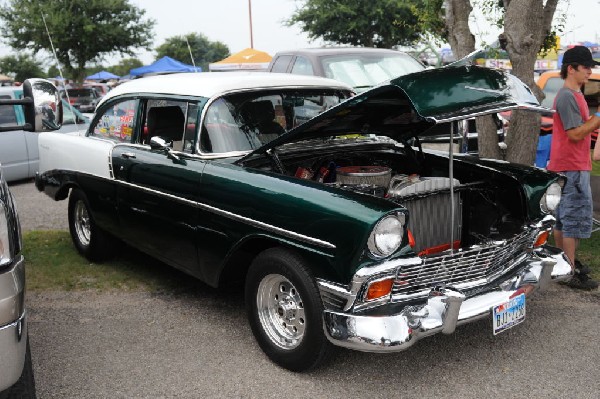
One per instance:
[(210, 84)]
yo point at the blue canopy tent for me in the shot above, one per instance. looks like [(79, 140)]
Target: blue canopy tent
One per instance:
[(102, 75), (164, 65)]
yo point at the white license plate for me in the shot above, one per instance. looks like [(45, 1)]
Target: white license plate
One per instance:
[(509, 314)]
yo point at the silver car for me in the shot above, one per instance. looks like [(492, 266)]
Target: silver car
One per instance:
[(19, 155), (359, 67), (16, 372)]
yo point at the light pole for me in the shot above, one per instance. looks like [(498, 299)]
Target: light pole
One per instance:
[(250, 16)]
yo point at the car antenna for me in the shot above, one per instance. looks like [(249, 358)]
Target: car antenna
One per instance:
[(58, 66), (191, 56)]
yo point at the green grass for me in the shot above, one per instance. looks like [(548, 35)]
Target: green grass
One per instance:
[(54, 264), (595, 168), (588, 254)]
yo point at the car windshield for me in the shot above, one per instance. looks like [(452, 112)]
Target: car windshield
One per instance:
[(245, 122), (364, 71), (80, 92), (72, 116)]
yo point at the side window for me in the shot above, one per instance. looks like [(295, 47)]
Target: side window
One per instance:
[(8, 116), (302, 66), (281, 63), (173, 121), (116, 123)]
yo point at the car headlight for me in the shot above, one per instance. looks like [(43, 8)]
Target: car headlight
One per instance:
[(5, 255), (387, 235), (551, 198)]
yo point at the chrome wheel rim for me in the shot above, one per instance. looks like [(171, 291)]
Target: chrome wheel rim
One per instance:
[(281, 311), (82, 223)]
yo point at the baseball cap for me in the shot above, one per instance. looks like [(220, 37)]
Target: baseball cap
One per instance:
[(579, 55)]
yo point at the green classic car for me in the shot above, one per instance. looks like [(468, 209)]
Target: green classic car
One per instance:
[(341, 228)]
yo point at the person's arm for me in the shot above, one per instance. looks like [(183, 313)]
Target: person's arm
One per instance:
[(596, 155), (580, 132)]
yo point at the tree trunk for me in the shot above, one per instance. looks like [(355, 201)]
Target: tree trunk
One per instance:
[(487, 137), (526, 24), (460, 37), (462, 43)]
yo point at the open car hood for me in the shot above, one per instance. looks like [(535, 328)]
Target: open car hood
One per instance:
[(412, 105)]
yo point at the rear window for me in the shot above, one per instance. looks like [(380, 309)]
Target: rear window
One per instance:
[(281, 63)]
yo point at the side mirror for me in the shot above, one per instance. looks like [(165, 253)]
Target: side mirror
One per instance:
[(43, 111), (158, 143)]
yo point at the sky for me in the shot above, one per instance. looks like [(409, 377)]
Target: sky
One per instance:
[(228, 21)]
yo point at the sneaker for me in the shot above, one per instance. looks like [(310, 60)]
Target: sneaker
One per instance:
[(580, 268), (583, 282)]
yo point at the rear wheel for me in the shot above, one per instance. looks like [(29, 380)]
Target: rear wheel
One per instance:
[(89, 239), (285, 310)]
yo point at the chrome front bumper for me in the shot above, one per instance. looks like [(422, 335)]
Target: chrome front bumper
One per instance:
[(444, 309)]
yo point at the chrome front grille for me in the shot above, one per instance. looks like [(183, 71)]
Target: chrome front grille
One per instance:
[(430, 219), (467, 267)]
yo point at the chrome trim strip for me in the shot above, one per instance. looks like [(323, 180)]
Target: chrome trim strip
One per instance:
[(14, 323), (525, 106), (227, 214), (233, 216)]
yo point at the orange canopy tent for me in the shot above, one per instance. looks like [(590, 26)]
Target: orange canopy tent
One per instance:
[(247, 59)]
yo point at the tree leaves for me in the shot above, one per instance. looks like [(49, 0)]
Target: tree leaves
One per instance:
[(81, 30)]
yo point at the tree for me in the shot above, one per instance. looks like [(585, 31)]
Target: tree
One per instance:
[(203, 50), (82, 30), (123, 67), (527, 30), (369, 23), (22, 66)]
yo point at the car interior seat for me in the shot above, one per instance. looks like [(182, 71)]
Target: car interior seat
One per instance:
[(167, 123), (263, 113)]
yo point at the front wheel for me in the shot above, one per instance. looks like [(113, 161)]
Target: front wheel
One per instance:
[(285, 310), (89, 239)]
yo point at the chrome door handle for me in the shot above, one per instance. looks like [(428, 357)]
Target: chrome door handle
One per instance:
[(127, 155)]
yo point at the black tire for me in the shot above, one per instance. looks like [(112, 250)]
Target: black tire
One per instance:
[(89, 239), (285, 310), (24, 388)]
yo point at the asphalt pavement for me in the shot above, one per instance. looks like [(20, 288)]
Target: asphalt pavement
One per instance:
[(195, 342)]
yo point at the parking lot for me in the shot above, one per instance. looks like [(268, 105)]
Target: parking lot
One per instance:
[(195, 342)]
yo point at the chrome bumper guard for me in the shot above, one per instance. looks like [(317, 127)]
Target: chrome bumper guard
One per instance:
[(445, 308)]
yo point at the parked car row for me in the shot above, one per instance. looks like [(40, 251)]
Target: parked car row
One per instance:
[(340, 231)]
